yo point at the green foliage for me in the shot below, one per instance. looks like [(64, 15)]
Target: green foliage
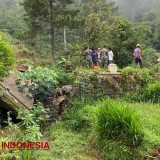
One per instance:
[(37, 115), (115, 121), (149, 56), (28, 130), (104, 8), (123, 36), (64, 77), (85, 86), (144, 75), (65, 64), (11, 20), (130, 70), (127, 129), (40, 82), (151, 93), (73, 143), (79, 114), (7, 154), (116, 151), (29, 127), (7, 59), (95, 30), (55, 14)]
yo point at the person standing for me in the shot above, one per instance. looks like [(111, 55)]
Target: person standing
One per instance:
[(104, 57), (88, 54), (94, 59), (110, 56), (137, 56), (99, 57)]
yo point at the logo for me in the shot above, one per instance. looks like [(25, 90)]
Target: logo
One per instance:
[(25, 145)]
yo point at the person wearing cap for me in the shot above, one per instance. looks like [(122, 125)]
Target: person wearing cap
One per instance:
[(137, 56)]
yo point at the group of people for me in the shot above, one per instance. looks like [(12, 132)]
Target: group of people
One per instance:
[(98, 59), (101, 58)]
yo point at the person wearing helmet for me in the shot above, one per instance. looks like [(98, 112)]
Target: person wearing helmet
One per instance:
[(137, 56)]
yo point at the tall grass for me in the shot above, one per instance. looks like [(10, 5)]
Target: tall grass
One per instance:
[(79, 114), (116, 121)]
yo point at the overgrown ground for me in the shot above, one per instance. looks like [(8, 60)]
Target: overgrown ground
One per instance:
[(72, 138)]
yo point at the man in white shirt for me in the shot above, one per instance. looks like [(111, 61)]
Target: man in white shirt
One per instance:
[(110, 56)]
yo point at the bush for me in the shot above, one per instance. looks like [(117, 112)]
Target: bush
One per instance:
[(151, 93), (6, 58), (115, 121), (149, 57), (29, 129), (42, 82)]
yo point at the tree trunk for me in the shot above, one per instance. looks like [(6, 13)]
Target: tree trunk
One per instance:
[(65, 41), (52, 32)]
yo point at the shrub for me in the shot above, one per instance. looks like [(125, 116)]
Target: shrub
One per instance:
[(6, 58), (41, 82), (151, 93), (115, 121), (149, 57), (29, 129)]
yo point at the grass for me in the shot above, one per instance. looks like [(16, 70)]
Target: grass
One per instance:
[(134, 70), (66, 145), (72, 144), (86, 70), (150, 114), (116, 121)]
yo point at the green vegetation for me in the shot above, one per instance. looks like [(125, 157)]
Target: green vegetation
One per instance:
[(115, 121), (7, 58), (90, 131), (41, 82), (50, 36), (28, 130), (150, 93)]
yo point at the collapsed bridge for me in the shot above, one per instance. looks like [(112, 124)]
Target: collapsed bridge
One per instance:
[(10, 98)]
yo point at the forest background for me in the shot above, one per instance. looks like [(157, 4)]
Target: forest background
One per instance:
[(43, 33), (119, 25)]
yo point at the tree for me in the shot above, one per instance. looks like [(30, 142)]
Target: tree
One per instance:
[(123, 36), (46, 15), (97, 14), (11, 20), (102, 7), (95, 30), (7, 59)]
